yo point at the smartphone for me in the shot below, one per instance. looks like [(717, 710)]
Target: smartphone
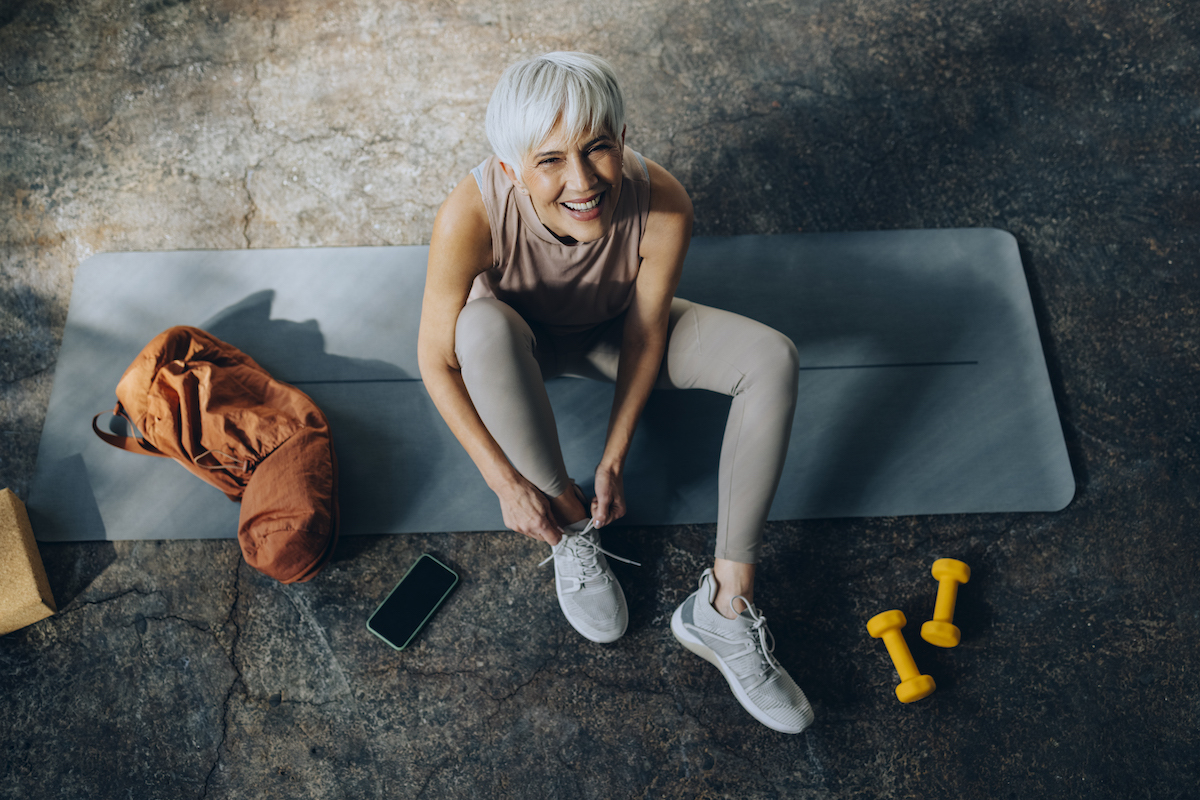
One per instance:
[(418, 594)]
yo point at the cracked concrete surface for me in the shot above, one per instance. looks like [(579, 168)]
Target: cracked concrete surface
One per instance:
[(173, 670)]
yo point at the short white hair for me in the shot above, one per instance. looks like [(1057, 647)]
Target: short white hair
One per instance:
[(533, 94)]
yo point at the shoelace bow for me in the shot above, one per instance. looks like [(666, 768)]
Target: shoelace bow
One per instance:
[(760, 635), (587, 558)]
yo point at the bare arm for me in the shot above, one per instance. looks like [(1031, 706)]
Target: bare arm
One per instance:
[(644, 338), (460, 249)]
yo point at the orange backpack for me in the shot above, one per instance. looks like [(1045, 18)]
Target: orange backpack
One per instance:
[(210, 407)]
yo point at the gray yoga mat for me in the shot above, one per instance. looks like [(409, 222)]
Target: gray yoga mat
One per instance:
[(923, 387)]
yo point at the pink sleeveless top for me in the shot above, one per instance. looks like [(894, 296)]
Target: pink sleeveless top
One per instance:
[(566, 287)]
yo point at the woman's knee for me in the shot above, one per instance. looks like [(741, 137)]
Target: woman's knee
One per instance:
[(487, 328), (776, 360)]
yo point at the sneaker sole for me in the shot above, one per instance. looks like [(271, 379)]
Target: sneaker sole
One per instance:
[(597, 637), (699, 648)]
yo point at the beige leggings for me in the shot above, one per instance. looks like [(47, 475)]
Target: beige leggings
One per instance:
[(505, 362)]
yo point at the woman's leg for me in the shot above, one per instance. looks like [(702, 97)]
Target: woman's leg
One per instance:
[(758, 367), (496, 352), (498, 355)]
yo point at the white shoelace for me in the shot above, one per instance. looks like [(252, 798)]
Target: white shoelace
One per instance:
[(760, 635), (587, 558)]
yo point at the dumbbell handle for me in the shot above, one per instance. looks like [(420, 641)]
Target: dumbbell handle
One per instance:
[(947, 595), (901, 656)]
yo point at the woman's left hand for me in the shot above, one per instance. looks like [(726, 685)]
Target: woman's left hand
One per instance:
[(609, 503)]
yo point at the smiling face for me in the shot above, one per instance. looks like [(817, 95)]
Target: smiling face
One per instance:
[(574, 184)]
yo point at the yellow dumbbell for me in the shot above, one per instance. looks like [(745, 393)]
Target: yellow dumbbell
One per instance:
[(913, 685), (940, 631)]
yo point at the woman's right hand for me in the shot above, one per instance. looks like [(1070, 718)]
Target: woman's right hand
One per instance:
[(527, 511)]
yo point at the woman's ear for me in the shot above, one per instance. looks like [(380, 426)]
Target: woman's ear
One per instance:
[(512, 176)]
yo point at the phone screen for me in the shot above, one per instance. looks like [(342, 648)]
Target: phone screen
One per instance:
[(412, 602)]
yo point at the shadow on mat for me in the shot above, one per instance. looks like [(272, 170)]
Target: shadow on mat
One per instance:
[(378, 469), (71, 566), (293, 352)]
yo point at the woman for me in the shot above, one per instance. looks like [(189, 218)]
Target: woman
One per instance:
[(559, 255)]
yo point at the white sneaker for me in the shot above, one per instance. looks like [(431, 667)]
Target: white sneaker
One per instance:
[(742, 649), (588, 592)]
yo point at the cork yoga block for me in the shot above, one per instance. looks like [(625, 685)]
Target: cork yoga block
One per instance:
[(24, 591)]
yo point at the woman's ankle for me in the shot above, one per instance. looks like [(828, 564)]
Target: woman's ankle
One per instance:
[(568, 508), (734, 579)]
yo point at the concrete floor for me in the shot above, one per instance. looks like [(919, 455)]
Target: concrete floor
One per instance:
[(173, 671)]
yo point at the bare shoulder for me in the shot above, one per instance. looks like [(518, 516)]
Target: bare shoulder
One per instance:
[(666, 192), (460, 249), (669, 225), (462, 234)]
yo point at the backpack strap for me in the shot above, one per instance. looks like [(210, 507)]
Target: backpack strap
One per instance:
[(133, 444)]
